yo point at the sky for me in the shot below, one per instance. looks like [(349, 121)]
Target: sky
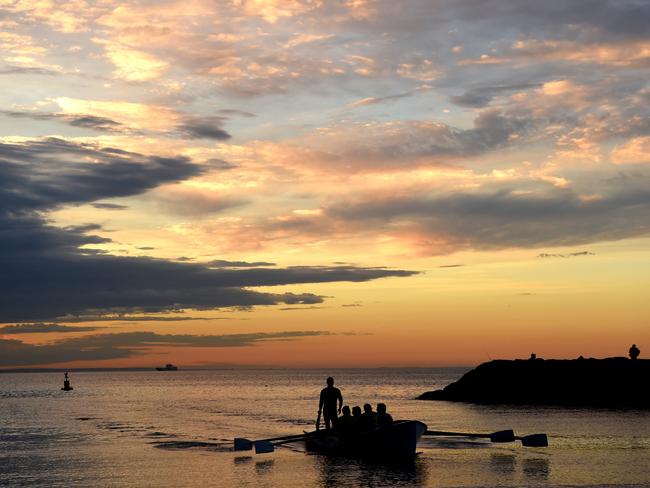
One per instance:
[(312, 183)]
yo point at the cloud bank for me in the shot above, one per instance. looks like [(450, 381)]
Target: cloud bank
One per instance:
[(127, 344), (47, 273)]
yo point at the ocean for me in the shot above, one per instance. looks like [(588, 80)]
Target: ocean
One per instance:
[(175, 429)]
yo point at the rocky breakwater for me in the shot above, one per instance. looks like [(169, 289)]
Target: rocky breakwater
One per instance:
[(611, 382)]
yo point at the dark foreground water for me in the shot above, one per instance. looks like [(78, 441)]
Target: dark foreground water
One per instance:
[(176, 428)]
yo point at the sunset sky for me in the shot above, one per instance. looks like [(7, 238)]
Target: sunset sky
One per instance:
[(323, 183)]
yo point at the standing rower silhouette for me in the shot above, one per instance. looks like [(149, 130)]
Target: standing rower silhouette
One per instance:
[(329, 396)]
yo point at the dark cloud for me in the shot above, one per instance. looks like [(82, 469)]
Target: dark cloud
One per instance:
[(109, 206), (545, 255), (507, 218), (382, 99), (76, 120), (407, 142), (42, 328), (46, 275), (204, 128), (25, 70), (220, 263), (127, 344), (96, 123), (479, 97), (312, 307), (240, 113), (220, 164), (601, 19), (451, 266), (45, 173)]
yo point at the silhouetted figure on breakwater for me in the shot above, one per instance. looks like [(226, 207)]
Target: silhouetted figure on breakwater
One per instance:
[(634, 352), (329, 397), (384, 419), (66, 382)]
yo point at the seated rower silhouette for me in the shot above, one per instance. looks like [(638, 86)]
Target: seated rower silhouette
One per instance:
[(368, 418), (356, 418), (345, 423), (634, 352), (329, 397), (384, 419)]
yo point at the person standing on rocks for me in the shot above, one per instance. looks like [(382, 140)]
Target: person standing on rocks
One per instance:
[(634, 352)]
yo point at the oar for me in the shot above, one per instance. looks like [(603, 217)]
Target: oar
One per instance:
[(500, 436), (533, 440), (263, 447), (242, 444)]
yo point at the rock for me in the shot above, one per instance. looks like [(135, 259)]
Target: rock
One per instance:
[(611, 382)]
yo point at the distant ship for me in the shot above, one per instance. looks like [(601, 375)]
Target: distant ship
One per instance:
[(168, 367)]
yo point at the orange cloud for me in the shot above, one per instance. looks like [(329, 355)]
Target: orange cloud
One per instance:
[(634, 151)]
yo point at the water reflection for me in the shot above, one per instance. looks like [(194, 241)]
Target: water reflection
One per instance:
[(341, 471), (264, 467), (242, 459), (536, 468), (503, 464)]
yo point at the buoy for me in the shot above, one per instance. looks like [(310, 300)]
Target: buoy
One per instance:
[(66, 383)]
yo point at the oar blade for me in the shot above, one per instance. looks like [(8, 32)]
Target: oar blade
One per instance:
[(263, 447), (534, 440), (503, 436), (242, 444)]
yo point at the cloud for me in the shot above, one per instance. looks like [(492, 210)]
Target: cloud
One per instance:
[(196, 202), (220, 263), (111, 206), (32, 179), (204, 128), (41, 328), (27, 70), (93, 122), (497, 216), (127, 344), (407, 144), (133, 64), (509, 219), (545, 255), (377, 100), (479, 97), (633, 151), (240, 113), (47, 274), (312, 307)]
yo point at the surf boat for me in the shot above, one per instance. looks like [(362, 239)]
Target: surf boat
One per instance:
[(397, 442), (168, 367)]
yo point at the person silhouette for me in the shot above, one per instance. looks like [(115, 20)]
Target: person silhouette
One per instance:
[(368, 418), (356, 418), (384, 419), (634, 352), (329, 396), (344, 423)]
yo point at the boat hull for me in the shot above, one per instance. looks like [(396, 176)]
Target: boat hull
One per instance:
[(397, 442)]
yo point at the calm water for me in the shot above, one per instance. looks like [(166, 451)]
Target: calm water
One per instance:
[(176, 429)]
